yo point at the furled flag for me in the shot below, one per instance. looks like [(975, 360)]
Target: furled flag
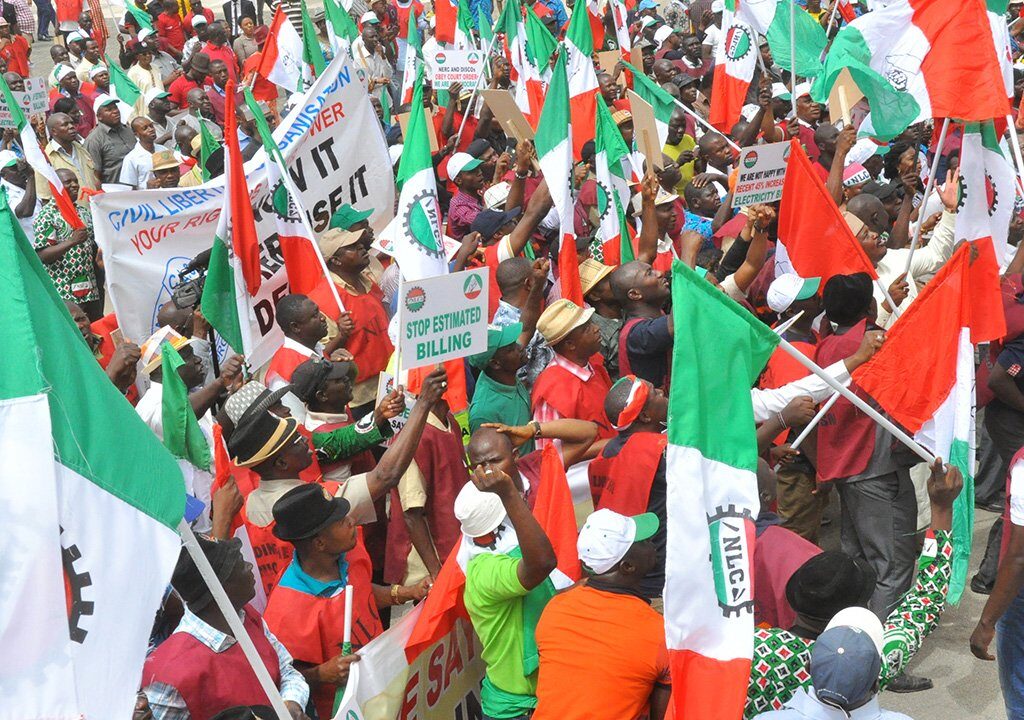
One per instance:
[(89, 543), (464, 27), (660, 101), (207, 146), (554, 512), (711, 466), (303, 262), (445, 17), (1001, 41), (282, 62), (771, 18), (529, 89), (622, 39), (38, 161), (987, 190), (536, 46), (182, 435), (418, 241), (940, 52), (485, 28), (612, 186), (554, 153), (960, 308), (817, 238), (735, 58), (540, 43), (595, 15), (143, 18), (341, 30), (583, 89), (413, 57), (845, 9), (233, 277), (312, 53), (122, 86)]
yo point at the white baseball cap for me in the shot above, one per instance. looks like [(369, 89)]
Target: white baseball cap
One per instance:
[(145, 33), (717, 6), (369, 17), (607, 536), (478, 512), (802, 89), (61, 71), (102, 101), (496, 195), (661, 34), (460, 162), (788, 288), (780, 91), (861, 619), (395, 153), (7, 158), (198, 20)]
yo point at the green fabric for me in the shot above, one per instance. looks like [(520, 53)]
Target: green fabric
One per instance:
[(95, 432), (496, 402), (312, 53), (125, 89), (608, 139), (207, 146), (218, 301), (346, 441), (963, 519), (660, 101), (810, 40), (340, 21), (416, 151), (533, 605), (540, 43), (494, 600), (17, 116), (143, 18), (892, 111), (182, 435), (719, 350), (553, 125), (486, 31), (509, 18)]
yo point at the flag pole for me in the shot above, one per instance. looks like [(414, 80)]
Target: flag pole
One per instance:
[(476, 88), (927, 192), (220, 597), (702, 121), (1011, 129), (792, 56), (831, 20), (814, 421), (858, 402)]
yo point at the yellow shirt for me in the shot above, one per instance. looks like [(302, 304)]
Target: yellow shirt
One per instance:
[(674, 151)]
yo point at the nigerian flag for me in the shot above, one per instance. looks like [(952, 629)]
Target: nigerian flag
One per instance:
[(418, 242), (712, 497), (612, 185), (89, 504), (341, 30), (123, 86), (987, 190), (312, 53), (786, 27), (182, 435)]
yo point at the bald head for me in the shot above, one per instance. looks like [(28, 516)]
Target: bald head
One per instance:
[(870, 211), (624, 278), (512, 273), (486, 442)]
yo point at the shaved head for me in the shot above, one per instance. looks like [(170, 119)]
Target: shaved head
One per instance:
[(624, 278), (486, 440)]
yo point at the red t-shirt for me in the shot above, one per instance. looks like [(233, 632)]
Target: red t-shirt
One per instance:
[(15, 53), (179, 90), (223, 53), (170, 28)]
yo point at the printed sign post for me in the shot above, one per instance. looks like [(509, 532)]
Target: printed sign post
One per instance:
[(455, 66), (443, 318), (762, 172)]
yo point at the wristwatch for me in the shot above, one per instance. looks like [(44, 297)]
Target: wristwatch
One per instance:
[(536, 428)]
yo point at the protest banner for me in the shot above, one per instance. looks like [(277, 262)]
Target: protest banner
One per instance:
[(762, 172), (334, 156), (33, 100), (454, 66), (442, 683), (445, 317)]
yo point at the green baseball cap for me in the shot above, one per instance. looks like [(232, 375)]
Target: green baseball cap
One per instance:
[(346, 216), (497, 338)]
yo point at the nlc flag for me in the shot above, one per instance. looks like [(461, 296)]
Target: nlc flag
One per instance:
[(711, 464), (89, 503)]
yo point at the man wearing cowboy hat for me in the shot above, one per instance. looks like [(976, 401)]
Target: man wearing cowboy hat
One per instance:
[(166, 170), (265, 438)]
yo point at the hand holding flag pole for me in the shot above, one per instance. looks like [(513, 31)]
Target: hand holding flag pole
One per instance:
[(476, 88), (927, 192)]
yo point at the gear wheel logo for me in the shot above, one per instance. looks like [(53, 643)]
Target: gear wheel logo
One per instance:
[(737, 43), (732, 541), (604, 201), (76, 585), (422, 220), (991, 194)]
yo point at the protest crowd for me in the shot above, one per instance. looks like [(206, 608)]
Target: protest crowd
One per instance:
[(488, 359)]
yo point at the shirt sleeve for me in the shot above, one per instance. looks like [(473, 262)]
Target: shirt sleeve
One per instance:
[(929, 258), (357, 491), (411, 489), (494, 578), (768, 402), (293, 686), (347, 441), (165, 702), (649, 337), (1011, 359), (1017, 493), (917, 615)]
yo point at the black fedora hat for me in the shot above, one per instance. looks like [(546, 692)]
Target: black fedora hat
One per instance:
[(828, 583), (304, 511)]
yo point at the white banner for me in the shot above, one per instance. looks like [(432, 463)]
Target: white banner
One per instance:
[(454, 66), (336, 153), (442, 684)]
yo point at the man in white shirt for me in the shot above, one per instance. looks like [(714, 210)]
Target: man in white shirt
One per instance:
[(17, 181), (137, 166)]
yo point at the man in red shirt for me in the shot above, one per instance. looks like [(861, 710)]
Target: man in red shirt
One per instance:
[(197, 9), (14, 49), (169, 26), (216, 48), (193, 78)]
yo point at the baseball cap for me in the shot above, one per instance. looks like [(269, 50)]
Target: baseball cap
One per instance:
[(143, 34), (309, 377), (717, 6), (647, 5), (7, 158), (661, 34), (882, 191), (864, 149), (780, 91), (496, 195), (498, 336), (478, 512), (198, 20), (97, 69), (489, 222), (102, 101), (607, 536), (333, 239), (646, 21), (788, 288), (846, 659), (855, 174), (802, 89), (346, 216), (61, 71), (75, 36), (461, 162), (369, 17), (154, 93)]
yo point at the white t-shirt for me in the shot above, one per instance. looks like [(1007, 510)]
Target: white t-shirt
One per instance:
[(1017, 493), (711, 35)]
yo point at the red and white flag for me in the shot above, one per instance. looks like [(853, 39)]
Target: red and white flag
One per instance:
[(579, 43), (282, 62), (735, 60)]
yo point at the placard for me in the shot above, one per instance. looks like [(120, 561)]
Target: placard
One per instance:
[(845, 94), (443, 318), (455, 66), (403, 122), (762, 173), (32, 101), (645, 130), (507, 113)]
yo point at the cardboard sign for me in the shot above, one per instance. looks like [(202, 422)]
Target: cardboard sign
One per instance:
[(403, 122), (845, 94), (385, 384), (762, 173), (645, 130), (443, 318), (455, 66), (607, 60), (32, 101), (508, 114)]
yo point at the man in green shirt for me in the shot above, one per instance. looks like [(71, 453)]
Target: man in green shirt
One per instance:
[(499, 397), (509, 556)]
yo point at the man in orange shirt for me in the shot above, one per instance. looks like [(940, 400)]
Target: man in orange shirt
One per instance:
[(603, 639)]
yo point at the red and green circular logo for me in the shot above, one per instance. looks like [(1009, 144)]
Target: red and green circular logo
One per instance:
[(440, 58), (750, 159), (472, 287), (415, 299)]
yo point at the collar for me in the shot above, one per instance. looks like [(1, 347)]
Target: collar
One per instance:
[(499, 388), (316, 419), (205, 633), (583, 373), (295, 578), (302, 349), (365, 280), (809, 706)]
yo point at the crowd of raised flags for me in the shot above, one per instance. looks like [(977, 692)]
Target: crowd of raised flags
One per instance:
[(632, 308)]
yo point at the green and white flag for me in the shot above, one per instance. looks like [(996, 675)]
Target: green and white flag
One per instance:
[(312, 53), (416, 230), (711, 468), (660, 101), (182, 435), (612, 186), (771, 18), (89, 503), (341, 29), (987, 190), (124, 88)]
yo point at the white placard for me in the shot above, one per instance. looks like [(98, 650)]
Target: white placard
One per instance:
[(33, 100), (455, 66), (762, 173), (443, 318)]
